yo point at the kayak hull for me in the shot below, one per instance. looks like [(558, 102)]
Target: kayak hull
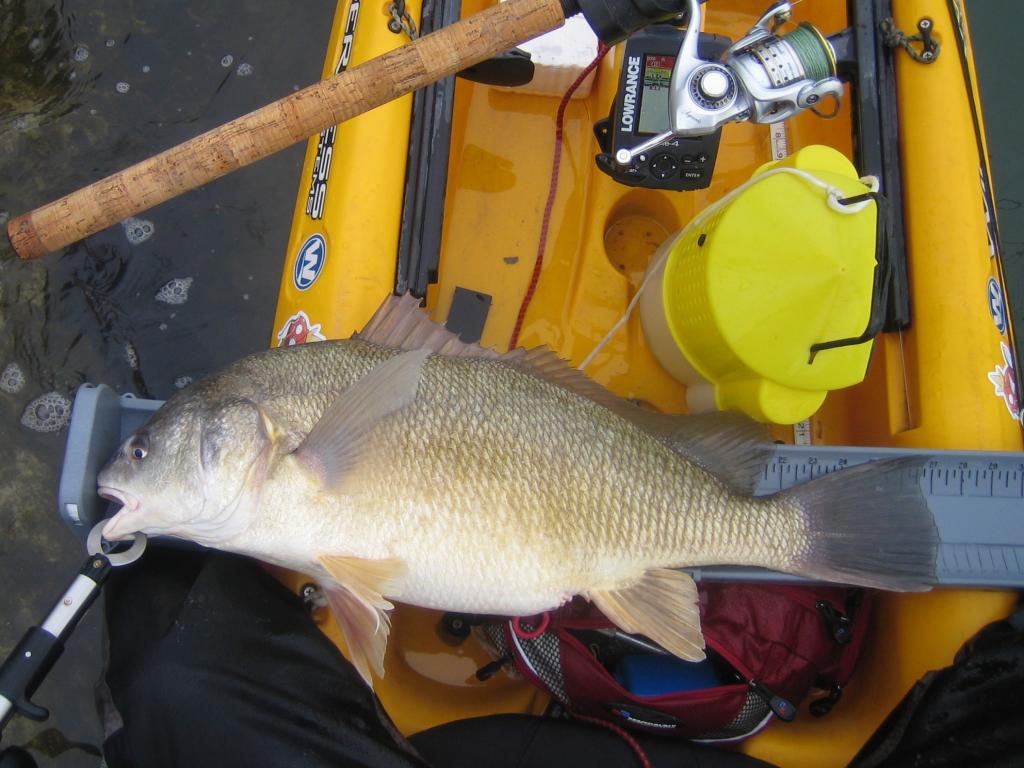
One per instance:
[(933, 385)]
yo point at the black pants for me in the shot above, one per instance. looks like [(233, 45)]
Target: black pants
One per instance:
[(212, 662)]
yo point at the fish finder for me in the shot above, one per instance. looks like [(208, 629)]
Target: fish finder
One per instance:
[(641, 110)]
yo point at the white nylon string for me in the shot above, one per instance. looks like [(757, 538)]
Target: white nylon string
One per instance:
[(832, 196)]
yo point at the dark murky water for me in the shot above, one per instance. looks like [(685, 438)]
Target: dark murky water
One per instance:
[(87, 87), (999, 60)]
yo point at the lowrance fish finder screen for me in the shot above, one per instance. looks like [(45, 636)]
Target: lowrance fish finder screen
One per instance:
[(654, 98)]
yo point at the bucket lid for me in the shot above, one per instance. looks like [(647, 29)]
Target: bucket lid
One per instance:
[(775, 272)]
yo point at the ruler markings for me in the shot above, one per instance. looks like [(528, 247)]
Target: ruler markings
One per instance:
[(977, 498)]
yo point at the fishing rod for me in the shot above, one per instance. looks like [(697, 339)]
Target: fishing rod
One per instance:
[(316, 108), (33, 657), (765, 77)]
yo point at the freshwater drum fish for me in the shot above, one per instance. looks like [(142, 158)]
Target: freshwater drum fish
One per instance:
[(404, 464)]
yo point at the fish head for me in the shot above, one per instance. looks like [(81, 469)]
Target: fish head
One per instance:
[(189, 471)]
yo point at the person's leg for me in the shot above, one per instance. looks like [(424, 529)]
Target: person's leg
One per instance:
[(213, 663), (526, 741)]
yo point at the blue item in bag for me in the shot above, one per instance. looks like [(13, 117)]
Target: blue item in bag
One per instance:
[(648, 675)]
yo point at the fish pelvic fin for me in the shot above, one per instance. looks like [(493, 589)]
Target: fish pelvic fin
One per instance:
[(335, 444), (731, 446), (365, 633), (360, 608), (662, 605), (869, 525)]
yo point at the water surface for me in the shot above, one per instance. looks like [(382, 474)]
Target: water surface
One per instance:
[(86, 88), (999, 59)]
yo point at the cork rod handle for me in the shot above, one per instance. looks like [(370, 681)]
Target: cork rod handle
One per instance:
[(281, 124)]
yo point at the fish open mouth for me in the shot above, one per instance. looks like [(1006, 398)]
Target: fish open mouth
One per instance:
[(126, 500), (125, 520)]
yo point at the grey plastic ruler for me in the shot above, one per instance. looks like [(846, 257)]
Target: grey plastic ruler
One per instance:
[(977, 497)]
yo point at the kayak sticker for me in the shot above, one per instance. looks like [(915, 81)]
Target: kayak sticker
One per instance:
[(309, 261), (1004, 379), (299, 329), (996, 304), (317, 195)]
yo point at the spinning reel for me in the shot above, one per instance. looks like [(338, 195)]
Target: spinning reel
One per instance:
[(763, 77)]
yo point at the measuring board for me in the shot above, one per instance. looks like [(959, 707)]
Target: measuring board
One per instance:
[(977, 497)]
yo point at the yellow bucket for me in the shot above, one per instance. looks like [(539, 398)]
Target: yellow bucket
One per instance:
[(738, 298)]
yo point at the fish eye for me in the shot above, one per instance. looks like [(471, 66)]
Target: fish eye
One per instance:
[(138, 448)]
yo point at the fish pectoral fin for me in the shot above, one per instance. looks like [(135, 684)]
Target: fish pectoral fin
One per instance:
[(336, 442), (360, 608), (662, 605)]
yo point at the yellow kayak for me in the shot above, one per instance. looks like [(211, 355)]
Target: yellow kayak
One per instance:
[(945, 381)]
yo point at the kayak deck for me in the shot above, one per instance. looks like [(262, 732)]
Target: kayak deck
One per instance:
[(928, 387)]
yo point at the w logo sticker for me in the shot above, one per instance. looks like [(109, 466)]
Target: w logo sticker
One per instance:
[(309, 261)]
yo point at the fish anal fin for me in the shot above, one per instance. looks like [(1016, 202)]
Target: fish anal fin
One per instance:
[(662, 605), (336, 442), (357, 599)]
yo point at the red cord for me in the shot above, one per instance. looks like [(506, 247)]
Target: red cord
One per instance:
[(531, 634), (602, 49), (556, 162), (633, 744)]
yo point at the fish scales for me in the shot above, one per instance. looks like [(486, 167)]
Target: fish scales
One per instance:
[(553, 474), (545, 460), (472, 482)]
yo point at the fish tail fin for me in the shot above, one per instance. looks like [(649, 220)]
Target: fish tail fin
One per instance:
[(869, 525)]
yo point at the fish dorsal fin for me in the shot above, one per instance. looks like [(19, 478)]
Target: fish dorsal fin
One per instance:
[(359, 605), (335, 443), (399, 323), (663, 605), (730, 446)]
